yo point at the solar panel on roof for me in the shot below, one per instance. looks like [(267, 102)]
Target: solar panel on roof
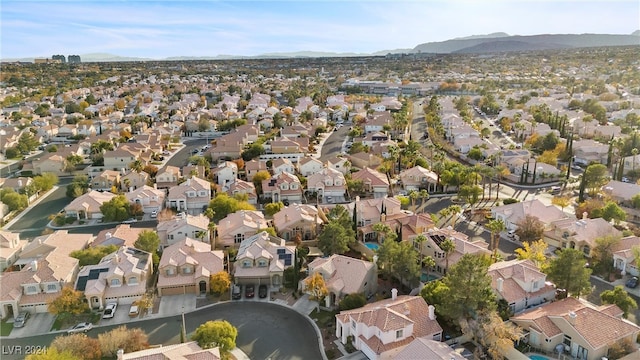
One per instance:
[(82, 283)]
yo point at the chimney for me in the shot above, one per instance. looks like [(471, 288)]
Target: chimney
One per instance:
[(432, 312), (34, 265), (117, 258), (155, 186), (572, 317), (375, 259), (383, 217), (286, 218), (394, 294), (19, 183), (500, 283), (584, 215), (120, 354), (107, 235)]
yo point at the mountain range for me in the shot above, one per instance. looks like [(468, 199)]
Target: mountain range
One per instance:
[(490, 43)]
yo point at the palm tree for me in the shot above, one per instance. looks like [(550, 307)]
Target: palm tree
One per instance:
[(424, 196), (454, 211), (413, 195), (634, 152), (212, 233), (420, 239), (428, 263), (495, 226), (448, 247), (137, 166)]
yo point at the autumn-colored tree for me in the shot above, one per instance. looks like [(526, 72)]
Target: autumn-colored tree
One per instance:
[(128, 340), (491, 332), (534, 251), (316, 287), (79, 345), (219, 333), (561, 201), (53, 353), (165, 215), (530, 228), (258, 178), (69, 301), (145, 303), (220, 282)]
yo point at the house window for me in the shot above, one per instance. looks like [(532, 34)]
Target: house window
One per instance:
[(262, 263), (353, 324), (294, 186), (133, 280), (32, 289), (52, 287), (169, 271), (246, 263), (238, 238), (567, 340), (115, 282), (186, 270), (398, 334)]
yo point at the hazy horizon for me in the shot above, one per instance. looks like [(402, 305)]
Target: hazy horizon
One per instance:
[(159, 29)]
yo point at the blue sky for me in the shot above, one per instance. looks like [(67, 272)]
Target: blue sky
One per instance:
[(158, 29)]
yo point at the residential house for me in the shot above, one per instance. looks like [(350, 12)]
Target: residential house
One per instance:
[(185, 351), (225, 173), (45, 267), (262, 259), (106, 180), (285, 145), (406, 226), (339, 163), (308, 166), (432, 247), (371, 211), (121, 235), (297, 220), (10, 248), (343, 276), (186, 268), (418, 178), (381, 328), (372, 138), (192, 196), (181, 227), (252, 167), (621, 192), (514, 214), (229, 146), (239, 187), (149, 198), (51, 163), (280, 165), (521, 284), (579, 234), (189, 171), (240, 225), (422, 348), (362, 160), (328, 184), (120, 158), (377, 121), (623, 255), (284, 187), (631, 163), (121, 277), (87, 206), (576, 328), (589, 151), (374, 182), (168, 177), (134, 180)]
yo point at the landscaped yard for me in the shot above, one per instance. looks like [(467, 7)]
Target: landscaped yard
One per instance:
[(5, 328), (326, 321), (66, 321)]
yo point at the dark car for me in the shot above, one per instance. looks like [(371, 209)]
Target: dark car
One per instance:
[(236, 293), (632, 283), (262, 291), (249, 291), (20, 320)]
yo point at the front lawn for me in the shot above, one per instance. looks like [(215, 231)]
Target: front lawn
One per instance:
[(66, 321), (326, 321), (5, 328)]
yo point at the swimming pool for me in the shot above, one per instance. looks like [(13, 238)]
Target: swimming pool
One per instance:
[(371, 245), (537, 357), (427, 277)]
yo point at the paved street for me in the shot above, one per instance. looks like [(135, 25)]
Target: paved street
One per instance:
[(333, 145), (265, 331)]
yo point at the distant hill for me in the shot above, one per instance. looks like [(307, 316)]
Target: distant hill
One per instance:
[(636, 33), (522, 43), (488, 36)]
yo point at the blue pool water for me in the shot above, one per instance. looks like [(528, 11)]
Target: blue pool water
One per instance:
[(372, 246), (426, 278), (538, 357)]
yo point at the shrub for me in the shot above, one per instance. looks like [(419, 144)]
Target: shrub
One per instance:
[(510, 201)]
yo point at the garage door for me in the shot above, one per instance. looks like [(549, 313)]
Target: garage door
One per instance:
[(177, 290)]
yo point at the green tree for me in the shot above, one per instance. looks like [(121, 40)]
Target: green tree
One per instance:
[(15, 201), (611, 211), (93, 255), (27, 142), (69, 301), (149, 241), (71, 161), (635, 201), (619, 296), (352, 301), (495, 226), (272, 208), (475, 154), (335, 238), (223, 205), (79, 186), (258, 178), (602, 254), (469, 288), (116, 209), (219, 333), (435, 293), (448, 246), (46, 181), (595, 177), (568, 271)]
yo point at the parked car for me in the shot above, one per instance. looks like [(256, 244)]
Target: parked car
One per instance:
[(20, 320), (236, 293), (262, 291), (81, 327), (130, 221), (154, 214), (249, 291), (109, 310), (134, 311), (632, 282)]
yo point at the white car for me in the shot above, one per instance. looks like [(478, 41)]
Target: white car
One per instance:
[(81, 327), (154, 214), (109, 311), (130, 221)]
